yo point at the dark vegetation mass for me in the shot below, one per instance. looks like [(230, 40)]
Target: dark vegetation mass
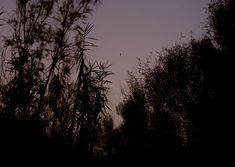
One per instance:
[(53, 98)]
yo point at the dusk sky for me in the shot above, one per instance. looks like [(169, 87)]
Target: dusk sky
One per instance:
[(135, 28)]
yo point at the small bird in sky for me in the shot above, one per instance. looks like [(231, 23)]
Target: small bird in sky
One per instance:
[(120, 54)]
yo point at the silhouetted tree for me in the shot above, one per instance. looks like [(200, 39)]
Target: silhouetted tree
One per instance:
[(50, 80), (221, 23), (188, 90), (105, 139), (134, 113), (221, 28)]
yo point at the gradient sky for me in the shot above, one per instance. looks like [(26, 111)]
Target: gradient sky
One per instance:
[(135, 28)]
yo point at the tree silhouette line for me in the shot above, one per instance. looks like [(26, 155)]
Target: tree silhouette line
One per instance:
[(47, 81), (54, 99), (181, 105)]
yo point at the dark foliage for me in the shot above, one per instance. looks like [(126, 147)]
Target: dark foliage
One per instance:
[(53, 99), (52, 96), (186, 96)]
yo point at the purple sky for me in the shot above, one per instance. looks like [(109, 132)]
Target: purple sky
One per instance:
[(135, 28)]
